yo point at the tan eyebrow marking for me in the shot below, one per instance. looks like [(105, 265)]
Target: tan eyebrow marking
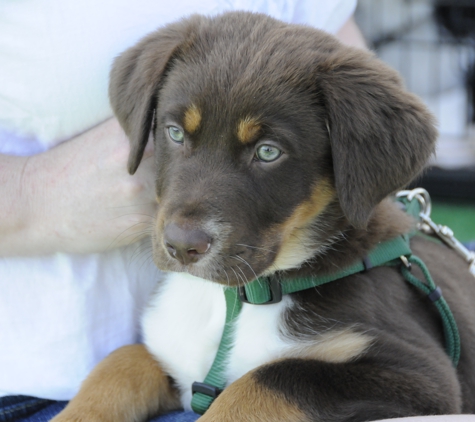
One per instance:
[(192, 119), (247, 130)]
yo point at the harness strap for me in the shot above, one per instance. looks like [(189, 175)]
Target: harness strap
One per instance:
[(204, 393), (260, 291), (263, 291), (434, 294)]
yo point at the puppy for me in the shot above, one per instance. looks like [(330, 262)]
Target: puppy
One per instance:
[(276, 148)]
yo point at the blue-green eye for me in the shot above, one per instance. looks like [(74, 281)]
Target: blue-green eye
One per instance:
[(268, 153), (176, 134)]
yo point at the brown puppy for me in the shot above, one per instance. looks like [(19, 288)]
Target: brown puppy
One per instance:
[(276, 147)]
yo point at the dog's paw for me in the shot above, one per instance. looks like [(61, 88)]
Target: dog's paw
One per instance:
[(246, 400)]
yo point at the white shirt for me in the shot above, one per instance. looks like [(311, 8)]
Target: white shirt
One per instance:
[(61, 314)]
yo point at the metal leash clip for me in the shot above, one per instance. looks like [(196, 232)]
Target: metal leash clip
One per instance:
[(427, 226)]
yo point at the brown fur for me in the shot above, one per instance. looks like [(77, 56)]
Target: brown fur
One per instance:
[(127, 386), (247, 397), (349, 136)]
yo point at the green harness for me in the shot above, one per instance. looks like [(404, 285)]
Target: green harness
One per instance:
[(264, 291)]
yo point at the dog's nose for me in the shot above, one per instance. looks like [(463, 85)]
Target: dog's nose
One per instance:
[(186, 245)]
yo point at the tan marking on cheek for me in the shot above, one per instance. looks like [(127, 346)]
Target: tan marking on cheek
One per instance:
[(294, 247), (247, 400), (248, 129), (321, 196), (336, 346), (192, 119)]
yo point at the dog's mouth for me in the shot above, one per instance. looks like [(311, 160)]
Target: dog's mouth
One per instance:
[(234, 269), (212, 251)]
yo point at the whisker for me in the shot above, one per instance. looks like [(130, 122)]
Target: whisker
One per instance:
[(242, 276), (142, 255), (137, 235), (241, 259), (245, 280), (145, 254), (133, 205), (255, 247), (227, 277), (146, 231), (134, 213), (229, 284), (237, 277)]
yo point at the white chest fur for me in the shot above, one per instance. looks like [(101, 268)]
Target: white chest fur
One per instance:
[(183, 326)]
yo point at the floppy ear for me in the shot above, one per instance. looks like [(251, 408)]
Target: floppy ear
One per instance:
[(135, 80), (381, 136)]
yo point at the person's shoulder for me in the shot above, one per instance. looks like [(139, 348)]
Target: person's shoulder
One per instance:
[(327, 15)]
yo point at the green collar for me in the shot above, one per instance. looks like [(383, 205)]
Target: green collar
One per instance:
[(264, 291)]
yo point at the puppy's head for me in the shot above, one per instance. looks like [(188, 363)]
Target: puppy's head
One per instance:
[(269, 138)]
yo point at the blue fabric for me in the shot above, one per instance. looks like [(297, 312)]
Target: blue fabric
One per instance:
[(30, 409), (14, 408), (178, 416)]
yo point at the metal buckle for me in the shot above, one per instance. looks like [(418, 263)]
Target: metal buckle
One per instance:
[(275, 293), (406, 262), (444, 233)]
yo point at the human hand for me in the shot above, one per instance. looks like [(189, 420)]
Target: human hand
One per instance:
[(80, 197)]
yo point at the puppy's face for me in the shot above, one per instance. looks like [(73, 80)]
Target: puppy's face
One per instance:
[(244, 169), (269, 139)]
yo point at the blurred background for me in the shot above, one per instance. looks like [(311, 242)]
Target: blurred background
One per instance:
[(432, 44)]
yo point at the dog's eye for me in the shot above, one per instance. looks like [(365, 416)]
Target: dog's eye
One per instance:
[(176, 134), (268, 153)]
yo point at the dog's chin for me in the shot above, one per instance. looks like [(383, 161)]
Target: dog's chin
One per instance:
[(220, 277), (209, 269)]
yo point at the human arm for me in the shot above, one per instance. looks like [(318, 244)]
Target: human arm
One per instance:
[(351, 35), (76, 197)]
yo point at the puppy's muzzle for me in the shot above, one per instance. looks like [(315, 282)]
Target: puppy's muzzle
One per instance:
[(186, 245)]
